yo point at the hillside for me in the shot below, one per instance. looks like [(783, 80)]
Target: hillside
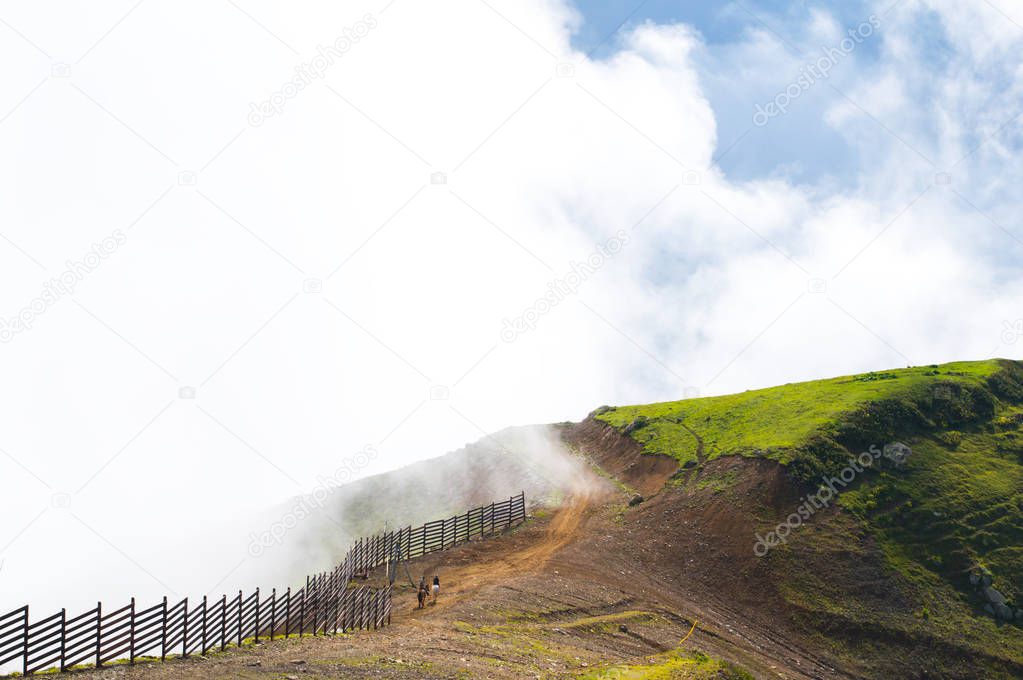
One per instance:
[(643, 557), (948, 518)]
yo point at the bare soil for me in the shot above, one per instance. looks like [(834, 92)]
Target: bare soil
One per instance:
[(592, 583)]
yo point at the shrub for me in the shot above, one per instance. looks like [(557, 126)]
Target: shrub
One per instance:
[(951, 438)]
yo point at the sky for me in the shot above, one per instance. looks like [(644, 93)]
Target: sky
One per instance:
[(243, 243)]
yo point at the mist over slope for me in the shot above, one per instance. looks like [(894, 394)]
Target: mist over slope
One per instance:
[(530, 459)]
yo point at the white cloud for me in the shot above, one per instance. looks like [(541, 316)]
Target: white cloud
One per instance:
[(711, 292)]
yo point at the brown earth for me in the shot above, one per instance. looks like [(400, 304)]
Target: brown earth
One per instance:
[(592, 583)]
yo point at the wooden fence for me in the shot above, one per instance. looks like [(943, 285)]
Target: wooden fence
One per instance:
[(328, 603)]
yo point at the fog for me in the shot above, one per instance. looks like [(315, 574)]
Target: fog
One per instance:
[(217, 288)]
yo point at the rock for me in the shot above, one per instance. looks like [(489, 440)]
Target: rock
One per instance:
[(254, 663), (623, 628), (1019, 616), (985, 580), (600, 410), (989, 609), (1003, 612), (897, 452), (298, 662), (635, 500), (689, 464), (974, 578), (639, 422), (993, 596)]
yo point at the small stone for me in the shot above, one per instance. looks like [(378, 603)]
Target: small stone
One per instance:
[(254, 663), (623, 628), (298, 662), (635, 500)]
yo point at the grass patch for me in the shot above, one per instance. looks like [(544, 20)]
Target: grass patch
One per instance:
[(676, 665)]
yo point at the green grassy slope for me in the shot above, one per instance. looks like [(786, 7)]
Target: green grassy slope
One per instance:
[(953, 508), (778, 421)]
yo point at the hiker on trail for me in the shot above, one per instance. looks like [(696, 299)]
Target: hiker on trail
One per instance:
[(436, 588), (421, 595)]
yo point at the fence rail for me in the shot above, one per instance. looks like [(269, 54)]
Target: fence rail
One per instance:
[(328, 603)]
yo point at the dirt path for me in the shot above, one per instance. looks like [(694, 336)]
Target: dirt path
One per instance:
[(592, 583), (563, 528), (701, 456)]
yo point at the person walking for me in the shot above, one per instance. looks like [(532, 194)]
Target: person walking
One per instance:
[(421, 594), (436, 587)]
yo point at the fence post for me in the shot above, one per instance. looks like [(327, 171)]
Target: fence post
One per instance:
[(338, 590), (273, 612), (287, 615), (131, 642), (491, 518), (223, 622), (257, 615), (24, 638), (314, 602), (336, 598), (184, 631), (239, 618), (163, 643), (63, 639), (99, 633), (204, 606), (301, 620)]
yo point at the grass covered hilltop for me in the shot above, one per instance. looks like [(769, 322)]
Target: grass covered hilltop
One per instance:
[(949, 521)]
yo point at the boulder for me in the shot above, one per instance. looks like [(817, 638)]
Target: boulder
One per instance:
[(993, 596), (635, 500), (1003, 612), (636, 424)]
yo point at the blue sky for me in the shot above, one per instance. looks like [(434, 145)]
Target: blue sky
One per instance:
[(799, 145)]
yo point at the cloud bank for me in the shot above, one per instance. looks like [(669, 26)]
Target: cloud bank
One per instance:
[(295, 287)]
